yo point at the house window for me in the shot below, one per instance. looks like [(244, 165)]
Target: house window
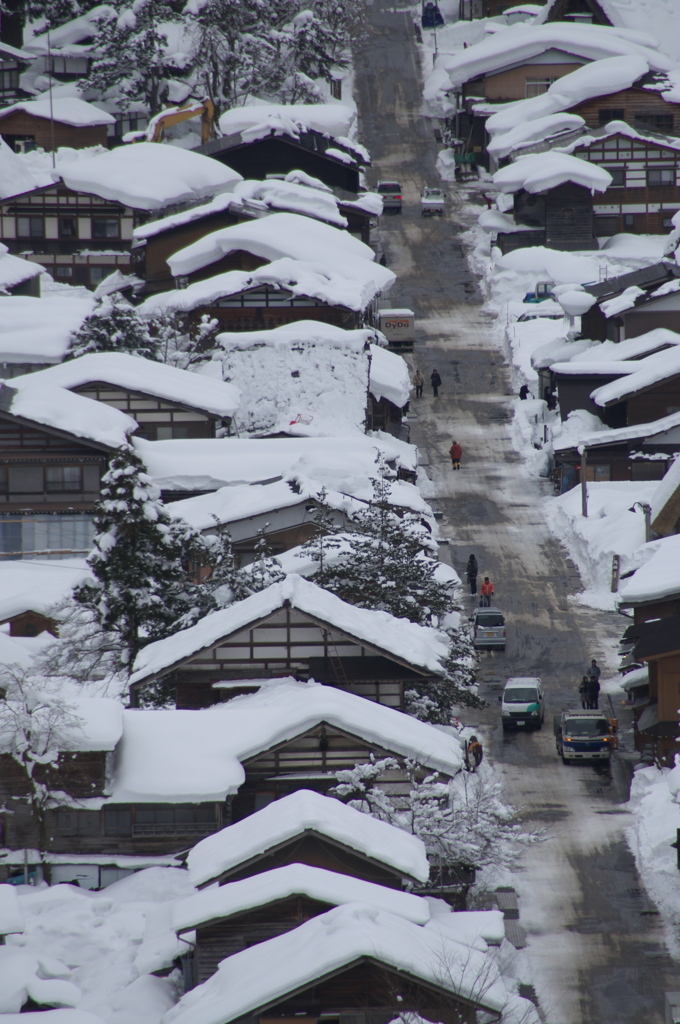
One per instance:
[(661, 176), (174, 819), (629, 221), (77, 823), (605, 226), (607, 114), (117, 821), (9, 80), (655, 122), (63, 478), (30, 227), (602, 472), (63, 273), (105, 227), (667, 223), (97, 275), (68, 227), (537, 86), (618, 176)]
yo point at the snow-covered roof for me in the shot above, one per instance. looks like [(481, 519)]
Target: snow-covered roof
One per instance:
[(542, 171), (533, 131), (64, 411), (333, 119), (135, 373), (12, 917), (292, 880), (610, 130), (647, 372), (231, 504), (645, 18), (518, 44), (600, 78), (657, 578), (93, 724), (592, 368), (37, 586), (420, 646), (275, 237), (196, 756), (259, 976), (306, 811), (346, 282), (666, 494), (146, 175), (620, 303), (14, 270), (75, 112), (72, 32), (632, 348), (390, 378), (38, 330), (620, 435)]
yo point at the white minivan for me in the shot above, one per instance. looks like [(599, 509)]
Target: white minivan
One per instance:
[(523, 703)]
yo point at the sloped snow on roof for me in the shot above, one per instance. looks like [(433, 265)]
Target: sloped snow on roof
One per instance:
[(259, 976), (620, 303), (600, 78), (560, 267), (517, 44), (146, 175), (670, 484), (74, 414), (230, 504), (135, 373), (390, 377), (542, 171), (657, 578), (658, 20), (648, 372), (534, 130), (333, 119), (594, 368), (13, 176), (613, 128), (272, 238), (11, 914), (75, 112), (301, 812), (37, 586), (632, 348), (14, 270), (291, 880), (606, 435), (38, 330), (94, 723), (74, 31), (348, 282), (420, 646)]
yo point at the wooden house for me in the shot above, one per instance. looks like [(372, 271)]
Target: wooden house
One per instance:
[(651, 390), (293, 628), (31, 124), (563, 215), (576, 382), (656, 644), (13, 61), (166, 402), (665, 514), (641, 311), (50, 474)]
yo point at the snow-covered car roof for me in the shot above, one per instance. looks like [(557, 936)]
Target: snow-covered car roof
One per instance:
[(68, 413)]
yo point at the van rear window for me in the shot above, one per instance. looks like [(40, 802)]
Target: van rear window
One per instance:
[(522, 695), (495, 619)]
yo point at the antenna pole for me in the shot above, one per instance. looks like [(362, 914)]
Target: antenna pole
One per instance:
[(49, 67)]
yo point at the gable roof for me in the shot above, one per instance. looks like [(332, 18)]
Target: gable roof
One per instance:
[(67, 414), (302, 812), (646, 277), (261, 976), (331, 119), (542, 171), (658, 578), (134, 373), (649, 19), (620, 435), (66, 110), (417, 646), (648, 372)]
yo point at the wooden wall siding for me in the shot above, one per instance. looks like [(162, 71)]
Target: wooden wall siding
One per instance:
[(151, 257), (375, 993), (215, 942), (278, 540), (278, 155), (32, 624), (574, 393), (510, 85), (238, 315), (633, 102), (152, 413), (659, 401), (319, 852), (656, 610), (640, 321), (569, 218), (21, 125)]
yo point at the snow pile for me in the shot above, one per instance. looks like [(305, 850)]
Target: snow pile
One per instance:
[(24, 976), (146, 176), (71, 111), (14, 270), (292, 816), (542, 171), (390, 378), (331, 119), (420, 646), (259, 976), (11, 916), (659, 577), (574, 301), (38, 331), (534, 130), (73, 414), (37, 586), (13, 177), (136, 374)]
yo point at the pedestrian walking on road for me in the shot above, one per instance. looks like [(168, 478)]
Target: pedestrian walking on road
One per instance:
[(487, 592), (593, 674), (584, 692), (419, 382), (456, 453), (436, 382), (472, 570)]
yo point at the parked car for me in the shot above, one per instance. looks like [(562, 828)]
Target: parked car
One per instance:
[(431, 16), (523, 703), (432, 202), (391, 194), (488, 628)]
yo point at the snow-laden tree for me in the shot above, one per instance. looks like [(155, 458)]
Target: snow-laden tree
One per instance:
[(182, 342), (37, 730), (54, 12), (114, 326), (145, 564), (438, 700)]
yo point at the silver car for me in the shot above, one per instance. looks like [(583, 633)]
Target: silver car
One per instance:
[(488, 628), (391, 194)]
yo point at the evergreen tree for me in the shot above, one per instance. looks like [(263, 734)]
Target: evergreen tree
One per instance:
[(114, 327), (144, 562), (265, 570), (438, 700)]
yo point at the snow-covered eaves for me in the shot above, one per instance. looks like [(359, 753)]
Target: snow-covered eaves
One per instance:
[(232, 504), (147, 175), (14, 270), (654, 22), (533, 132), (620, 435), (197, 756), (389, 378), (136, 374), (518, 44), (666, 498), (420, 647), (91, 724), (275, 237), (330, 887), (542, 171), (631, 348), (37, 586), (332, 119), (64, 110), (592, 368), (257, 977), (294, 815), (34, 330), (612, 129), (658, 578), (346, 282), (12, 53), (647, 373), (67, 413)]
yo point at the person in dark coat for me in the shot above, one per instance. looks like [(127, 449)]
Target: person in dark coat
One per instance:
[(472, 570), (456, 453), (584, 692), (593, 672), (524, 392), (436, 382)]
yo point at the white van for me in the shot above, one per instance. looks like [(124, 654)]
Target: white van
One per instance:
[(523, 703)]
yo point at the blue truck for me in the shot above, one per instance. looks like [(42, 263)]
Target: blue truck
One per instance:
[(584, 736)]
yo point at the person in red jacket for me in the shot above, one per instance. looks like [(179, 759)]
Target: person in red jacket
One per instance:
[(487, 591), (456, 453)]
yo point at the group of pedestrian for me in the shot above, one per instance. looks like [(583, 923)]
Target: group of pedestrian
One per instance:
[(589, 687), (419, 383), (487, 589)]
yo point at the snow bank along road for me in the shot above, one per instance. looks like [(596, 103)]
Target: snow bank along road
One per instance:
[(595, 942)]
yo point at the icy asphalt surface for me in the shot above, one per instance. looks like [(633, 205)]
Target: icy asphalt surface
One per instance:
[(595, 941)]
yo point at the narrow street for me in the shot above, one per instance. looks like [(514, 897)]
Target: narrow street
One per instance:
[(594, 938)]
